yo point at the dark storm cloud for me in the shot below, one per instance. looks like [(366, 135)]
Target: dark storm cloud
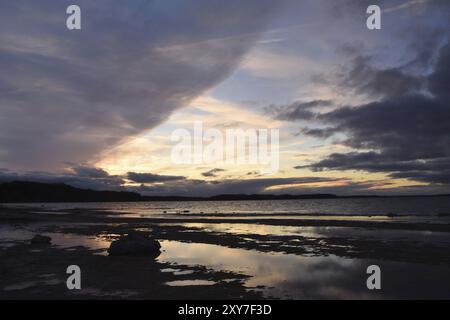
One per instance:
[(305, 185), (68, 95), (409, 133), (375, 162), (227, 186), (439, 177), (151, 178)]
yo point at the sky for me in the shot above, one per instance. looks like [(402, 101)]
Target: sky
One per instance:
[(358, 111)]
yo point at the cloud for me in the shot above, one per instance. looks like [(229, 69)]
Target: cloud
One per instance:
[(381, 75), (408, 134), (212, 172), (69, 95), (303, 185), (228, 186), (167, 185), (297, 110), (268, 64), (429, 171), (154, 184), (439, 81), (152, 178), (406, 5), (86, 171)]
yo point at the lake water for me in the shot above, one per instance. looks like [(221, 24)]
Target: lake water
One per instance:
[(415, 206)]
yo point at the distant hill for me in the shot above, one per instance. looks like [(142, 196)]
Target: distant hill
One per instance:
[(27, 192), (22, 191)]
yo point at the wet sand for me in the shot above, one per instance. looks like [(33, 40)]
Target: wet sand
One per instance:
[(220, 257)]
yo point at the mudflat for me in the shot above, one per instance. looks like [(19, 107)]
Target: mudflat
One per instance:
[(219, 257)]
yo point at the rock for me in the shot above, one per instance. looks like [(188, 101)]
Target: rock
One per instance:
[(135, 244), (39, 239)]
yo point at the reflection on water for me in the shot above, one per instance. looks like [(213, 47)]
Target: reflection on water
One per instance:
[(437, 238), (9, 233), (299, 277)]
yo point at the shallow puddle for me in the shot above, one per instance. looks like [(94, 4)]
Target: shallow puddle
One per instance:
[(438, 238)]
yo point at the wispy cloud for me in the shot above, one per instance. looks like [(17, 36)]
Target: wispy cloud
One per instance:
[(406, 5)]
